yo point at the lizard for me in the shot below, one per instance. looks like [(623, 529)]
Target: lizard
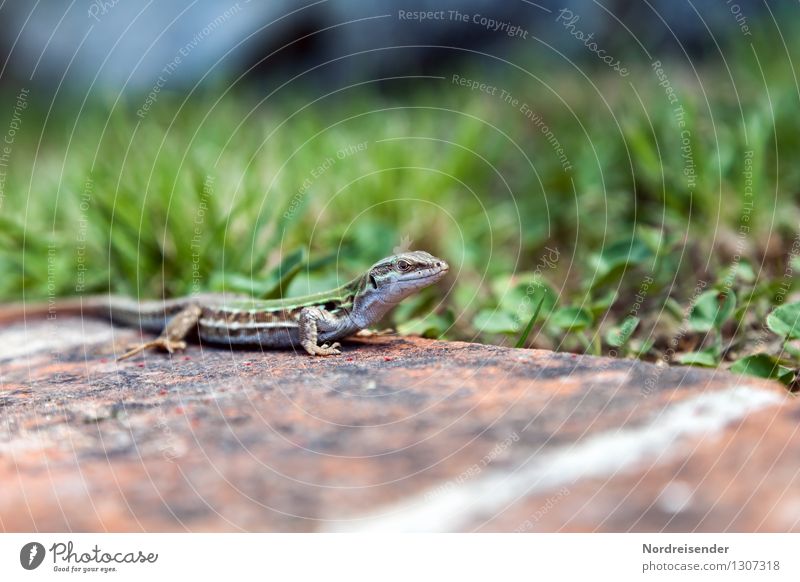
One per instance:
[(311, 322)]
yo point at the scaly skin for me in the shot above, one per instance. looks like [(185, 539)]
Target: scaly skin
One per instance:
[(313, 322)]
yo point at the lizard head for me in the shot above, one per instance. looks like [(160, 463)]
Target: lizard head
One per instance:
[(394, 278)]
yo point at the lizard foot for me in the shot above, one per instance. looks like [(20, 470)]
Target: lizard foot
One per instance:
[(162, 342), (323, 350)]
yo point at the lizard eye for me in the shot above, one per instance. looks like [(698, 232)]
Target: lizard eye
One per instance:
[(373, 282), (403, 265)]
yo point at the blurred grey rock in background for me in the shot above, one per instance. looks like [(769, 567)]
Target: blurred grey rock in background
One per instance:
[(117, 45)]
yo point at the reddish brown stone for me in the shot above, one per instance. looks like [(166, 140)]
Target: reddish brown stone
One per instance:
[(393, 432), (744, 480)]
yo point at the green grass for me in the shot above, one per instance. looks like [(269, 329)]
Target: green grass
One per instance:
[(235, 193)]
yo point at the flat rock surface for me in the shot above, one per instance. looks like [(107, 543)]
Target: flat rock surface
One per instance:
[(395, 434)]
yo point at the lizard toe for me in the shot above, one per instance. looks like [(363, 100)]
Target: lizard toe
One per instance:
[(172, 346), (167, 344), (329, 350), (324, 350)]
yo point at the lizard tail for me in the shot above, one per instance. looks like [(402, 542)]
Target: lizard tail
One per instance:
[(77, 306)]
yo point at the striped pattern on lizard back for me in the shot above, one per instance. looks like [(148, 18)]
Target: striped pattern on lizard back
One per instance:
[(313, 322), (237, 319), (265, 323)]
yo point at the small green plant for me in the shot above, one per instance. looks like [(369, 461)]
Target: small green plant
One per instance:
[(620, 336), (764, 366), (575, 320), (708, 314), (785, 322)]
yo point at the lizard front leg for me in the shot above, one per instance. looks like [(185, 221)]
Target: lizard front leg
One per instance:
[(313, 320), (174, 334)]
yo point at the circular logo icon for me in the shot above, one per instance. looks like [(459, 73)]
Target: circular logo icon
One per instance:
[(31, 555)]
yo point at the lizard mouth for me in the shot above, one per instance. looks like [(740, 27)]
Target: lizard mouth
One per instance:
[(435, 273)]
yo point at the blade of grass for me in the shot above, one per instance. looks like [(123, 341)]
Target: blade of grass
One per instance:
[(526, 332)]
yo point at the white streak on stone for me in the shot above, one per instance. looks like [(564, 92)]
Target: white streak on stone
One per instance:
[(599, 456)]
